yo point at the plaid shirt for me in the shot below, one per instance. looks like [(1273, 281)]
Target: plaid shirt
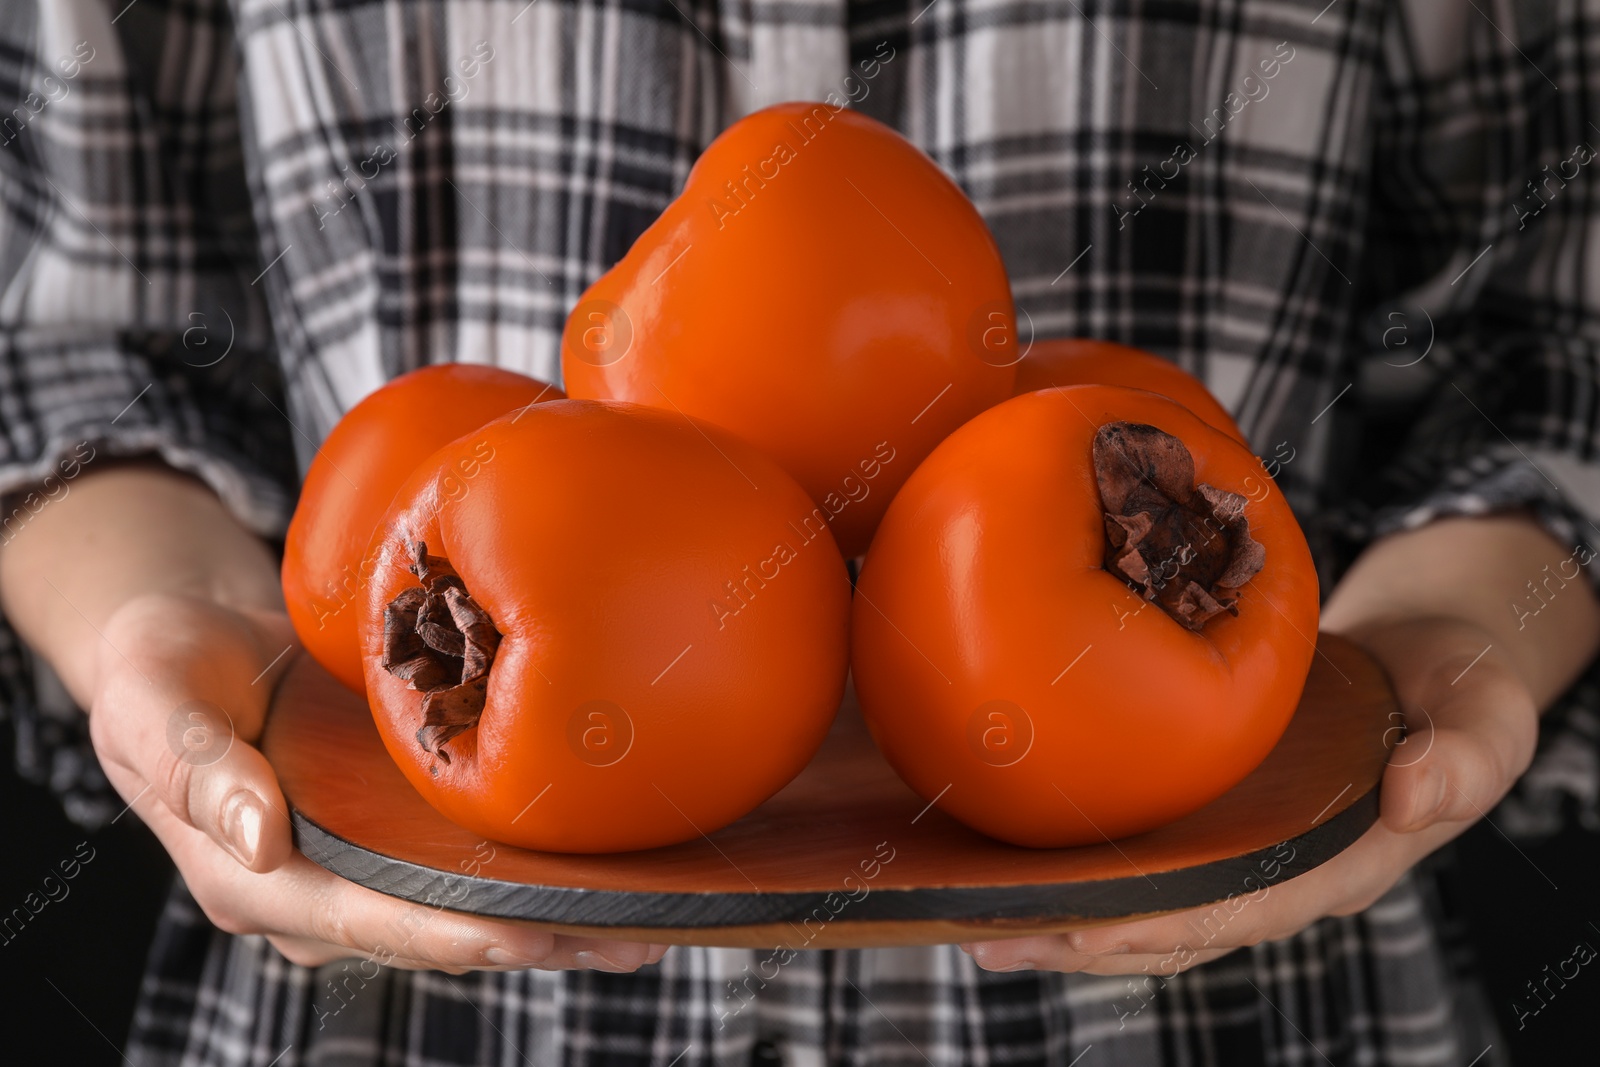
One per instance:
[(1366, 225)]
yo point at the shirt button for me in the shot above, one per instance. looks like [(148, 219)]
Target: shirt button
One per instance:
[(765, 1054)]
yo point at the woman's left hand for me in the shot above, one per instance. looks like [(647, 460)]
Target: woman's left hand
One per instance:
[(1480, 623)]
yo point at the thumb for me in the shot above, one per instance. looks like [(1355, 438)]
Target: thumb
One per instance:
[(217, 782), (176, 716), (1471, 724)]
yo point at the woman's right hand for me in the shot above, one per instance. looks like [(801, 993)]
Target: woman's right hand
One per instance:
[(178, 671)]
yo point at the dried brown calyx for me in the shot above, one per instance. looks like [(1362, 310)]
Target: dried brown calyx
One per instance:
[(437, 639), (1186, 547)]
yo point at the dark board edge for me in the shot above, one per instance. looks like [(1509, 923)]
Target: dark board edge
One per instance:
[(1113, 898)]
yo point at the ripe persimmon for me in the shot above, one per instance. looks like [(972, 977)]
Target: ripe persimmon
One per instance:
[(1085, 615), (353, 477), (1085, 361), (822, 290), (600, 626)]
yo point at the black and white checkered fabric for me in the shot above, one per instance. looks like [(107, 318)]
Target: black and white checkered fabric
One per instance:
[(1367, 225)]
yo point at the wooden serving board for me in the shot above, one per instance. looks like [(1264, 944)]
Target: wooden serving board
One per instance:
[(778, 876)]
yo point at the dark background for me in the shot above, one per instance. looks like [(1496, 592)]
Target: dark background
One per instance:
[(91, 945)]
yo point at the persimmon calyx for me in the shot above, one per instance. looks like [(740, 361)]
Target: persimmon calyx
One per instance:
[(441, 643), (1184, 546)]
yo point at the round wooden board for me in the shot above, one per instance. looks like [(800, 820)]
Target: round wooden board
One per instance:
[(779, 875)]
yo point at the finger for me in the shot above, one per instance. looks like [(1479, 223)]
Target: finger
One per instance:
[(1167, 966), (1471, 731), (596, 954), (356, 920), (1214, 927), (311, 905), (317, 905), (1349, 882), (191, 760), (1052, 952), (187, 738), (304, 952), (302, 901), (1237, 923), (308, 953), (1057, 953)]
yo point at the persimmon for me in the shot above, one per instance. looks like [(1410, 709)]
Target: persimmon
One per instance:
[(354, 475), (822, 290), (1085, 615), (1085, 361), (601, 626)]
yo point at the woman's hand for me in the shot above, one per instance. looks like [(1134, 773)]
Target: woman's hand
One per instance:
[(1436, 608), (172, 633)]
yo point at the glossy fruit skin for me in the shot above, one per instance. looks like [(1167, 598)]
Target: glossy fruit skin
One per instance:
[(364, 459), (1084, 361), (854, 305), (985, 584), (600, 538)]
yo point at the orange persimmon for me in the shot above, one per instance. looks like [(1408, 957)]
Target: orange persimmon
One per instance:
[(354, 475), (601, 626), (1085, 361), (822, 290), (1086, 614)]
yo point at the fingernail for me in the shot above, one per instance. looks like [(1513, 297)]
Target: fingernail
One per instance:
[(242, 815), (503, 956), (594, 961), (1093, 945), (993, 958), (1430, 800), (655, 953)]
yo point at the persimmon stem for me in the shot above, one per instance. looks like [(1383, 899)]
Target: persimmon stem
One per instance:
[(1183, 546), (440, 642)]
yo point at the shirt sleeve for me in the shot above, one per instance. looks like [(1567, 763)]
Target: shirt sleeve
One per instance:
[(1483, 242), (129, 321)]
